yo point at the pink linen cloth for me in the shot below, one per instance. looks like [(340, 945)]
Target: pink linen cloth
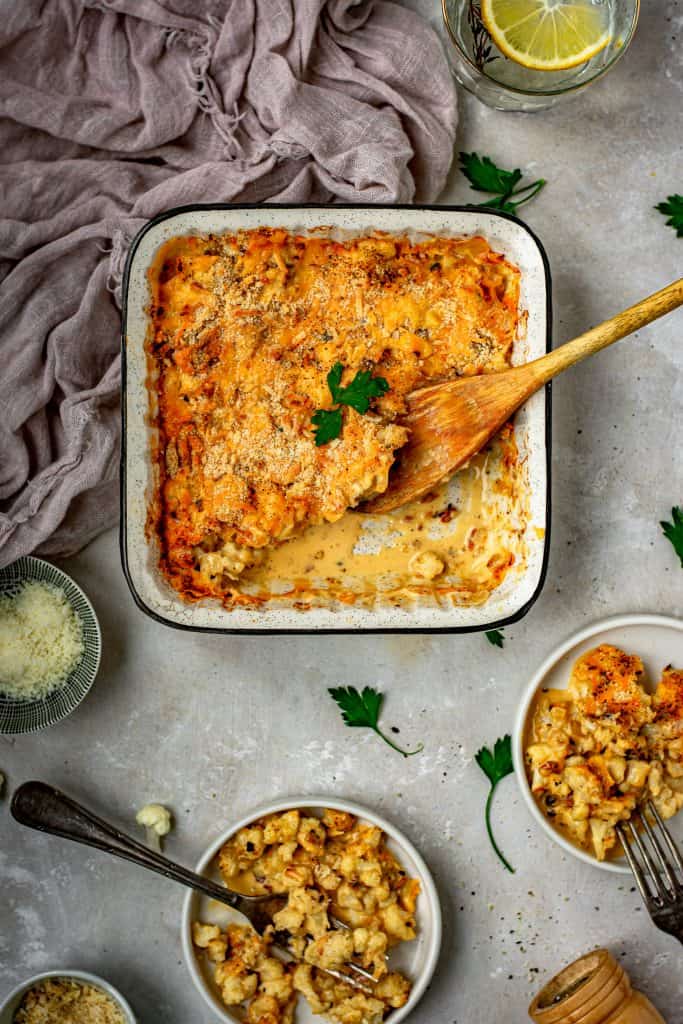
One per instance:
[(114, 111)]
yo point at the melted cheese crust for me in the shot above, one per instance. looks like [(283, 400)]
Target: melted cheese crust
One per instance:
[(245, 328)]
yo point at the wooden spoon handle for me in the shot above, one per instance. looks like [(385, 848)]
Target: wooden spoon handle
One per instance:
[(544, 369)]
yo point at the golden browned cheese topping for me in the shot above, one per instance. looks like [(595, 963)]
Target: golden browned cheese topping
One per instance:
[(605, 745), (245, 328), (607, 682)]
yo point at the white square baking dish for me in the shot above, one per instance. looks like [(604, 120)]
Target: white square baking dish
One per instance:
[(139, 552)]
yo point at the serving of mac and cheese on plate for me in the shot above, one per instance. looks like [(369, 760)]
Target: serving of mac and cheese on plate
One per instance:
[(605, 745), (346, 887)]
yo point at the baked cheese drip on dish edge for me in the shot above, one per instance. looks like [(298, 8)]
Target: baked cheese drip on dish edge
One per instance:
[(245, 329), (603, 746)]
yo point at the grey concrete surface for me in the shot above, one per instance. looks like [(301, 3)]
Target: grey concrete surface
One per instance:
[(211, 726)]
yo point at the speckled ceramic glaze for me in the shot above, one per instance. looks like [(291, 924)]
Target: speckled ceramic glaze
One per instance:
[(140, 555)]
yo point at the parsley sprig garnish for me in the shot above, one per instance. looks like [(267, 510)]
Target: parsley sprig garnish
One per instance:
[(495, 637), (358, 394), (496, 766), (484, 176), (673, 531), (363, 709), (673, 209)]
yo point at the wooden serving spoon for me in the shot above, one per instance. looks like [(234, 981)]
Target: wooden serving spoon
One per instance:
[(451, 421)]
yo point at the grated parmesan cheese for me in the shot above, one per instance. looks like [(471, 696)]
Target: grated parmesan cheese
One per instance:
[(41, 641)]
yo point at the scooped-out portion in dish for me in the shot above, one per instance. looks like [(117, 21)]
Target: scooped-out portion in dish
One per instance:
[(319, 870), (245, 330), (599, 749)]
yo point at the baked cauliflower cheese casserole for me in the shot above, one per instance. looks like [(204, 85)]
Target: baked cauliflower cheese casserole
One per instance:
[(319, 870), (598, 749), (245, 330)]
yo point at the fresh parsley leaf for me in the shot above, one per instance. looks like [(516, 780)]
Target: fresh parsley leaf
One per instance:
[(360, 391), (496, 766), (358, 394), (673, 209), (674, 531), (495, 637), (328, 425), (334, 380), (484, 176), (363, 710)]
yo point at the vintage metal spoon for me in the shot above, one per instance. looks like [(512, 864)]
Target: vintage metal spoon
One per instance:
[(40, 806), (451, 421)]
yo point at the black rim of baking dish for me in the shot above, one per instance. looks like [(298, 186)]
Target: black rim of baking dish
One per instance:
[(327, 630)]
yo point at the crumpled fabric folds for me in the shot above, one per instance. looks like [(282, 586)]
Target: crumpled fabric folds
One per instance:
[(113, 111)]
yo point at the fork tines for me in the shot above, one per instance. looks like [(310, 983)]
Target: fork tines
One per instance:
[(654, 858)]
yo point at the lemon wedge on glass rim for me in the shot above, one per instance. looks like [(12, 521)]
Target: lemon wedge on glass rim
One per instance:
[(547, 35)]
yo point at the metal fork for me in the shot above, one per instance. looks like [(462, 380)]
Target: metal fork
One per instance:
[(40, 806), (660, 877)]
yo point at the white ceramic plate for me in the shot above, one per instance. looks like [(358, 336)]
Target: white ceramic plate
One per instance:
[(140, 554), (416, 959), (657, 640), (11, 1003)]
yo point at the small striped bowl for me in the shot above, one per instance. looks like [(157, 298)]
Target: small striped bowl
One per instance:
[(18, 716)]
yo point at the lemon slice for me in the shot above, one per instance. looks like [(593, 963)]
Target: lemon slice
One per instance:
[(547, 35)]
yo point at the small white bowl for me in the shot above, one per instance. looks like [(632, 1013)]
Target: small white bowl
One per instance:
[(657, 639), (417, 958), (12, 1002)]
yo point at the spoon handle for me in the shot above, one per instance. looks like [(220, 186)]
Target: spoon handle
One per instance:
[(39, 806), (664, 301)]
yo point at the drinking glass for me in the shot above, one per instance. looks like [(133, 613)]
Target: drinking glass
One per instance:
[(479, 66)]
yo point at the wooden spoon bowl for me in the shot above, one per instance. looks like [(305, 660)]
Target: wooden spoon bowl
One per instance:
[(451, 421)]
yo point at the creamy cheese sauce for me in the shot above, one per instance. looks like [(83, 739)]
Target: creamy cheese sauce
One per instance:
[(463, 528)]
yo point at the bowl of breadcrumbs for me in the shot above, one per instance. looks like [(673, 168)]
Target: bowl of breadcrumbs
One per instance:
[(65, 997)]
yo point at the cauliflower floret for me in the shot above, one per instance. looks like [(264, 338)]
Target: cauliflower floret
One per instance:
[(203, 934), (276, 982), (282, 827), (398, 923), (305, 911), (235, 983), (311, 835), (326, 878), (636, 776), (250, 842), (426, 564), (156, 818), (337, 822), (603, 836), (331, 950), (246, 944), (302, 979), (394, 989), (358, 1009), (372, 947)]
